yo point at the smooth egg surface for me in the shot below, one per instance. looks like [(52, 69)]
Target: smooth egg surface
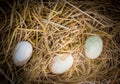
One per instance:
[(61, 63), (93, 46), (22, 53)]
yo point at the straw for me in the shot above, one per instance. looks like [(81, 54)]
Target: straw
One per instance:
[(54, 28)]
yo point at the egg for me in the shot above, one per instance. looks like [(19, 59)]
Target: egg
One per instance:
[(93, 47), (61, 63), (22, 53)]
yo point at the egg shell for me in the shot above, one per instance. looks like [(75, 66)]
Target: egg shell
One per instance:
[(61, 63), (22, 53), (93, 46)]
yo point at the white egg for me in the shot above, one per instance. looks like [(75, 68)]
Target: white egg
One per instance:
[(93, 46), (22, 53), (61, 63)]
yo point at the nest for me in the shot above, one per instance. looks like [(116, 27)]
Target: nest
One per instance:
[(54, 28)]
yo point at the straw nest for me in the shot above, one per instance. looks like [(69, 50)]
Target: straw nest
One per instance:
[(59, 27)]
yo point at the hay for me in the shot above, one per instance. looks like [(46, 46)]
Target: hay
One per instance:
[(59, 27)]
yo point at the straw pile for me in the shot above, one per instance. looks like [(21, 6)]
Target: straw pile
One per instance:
[(59, 27)]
